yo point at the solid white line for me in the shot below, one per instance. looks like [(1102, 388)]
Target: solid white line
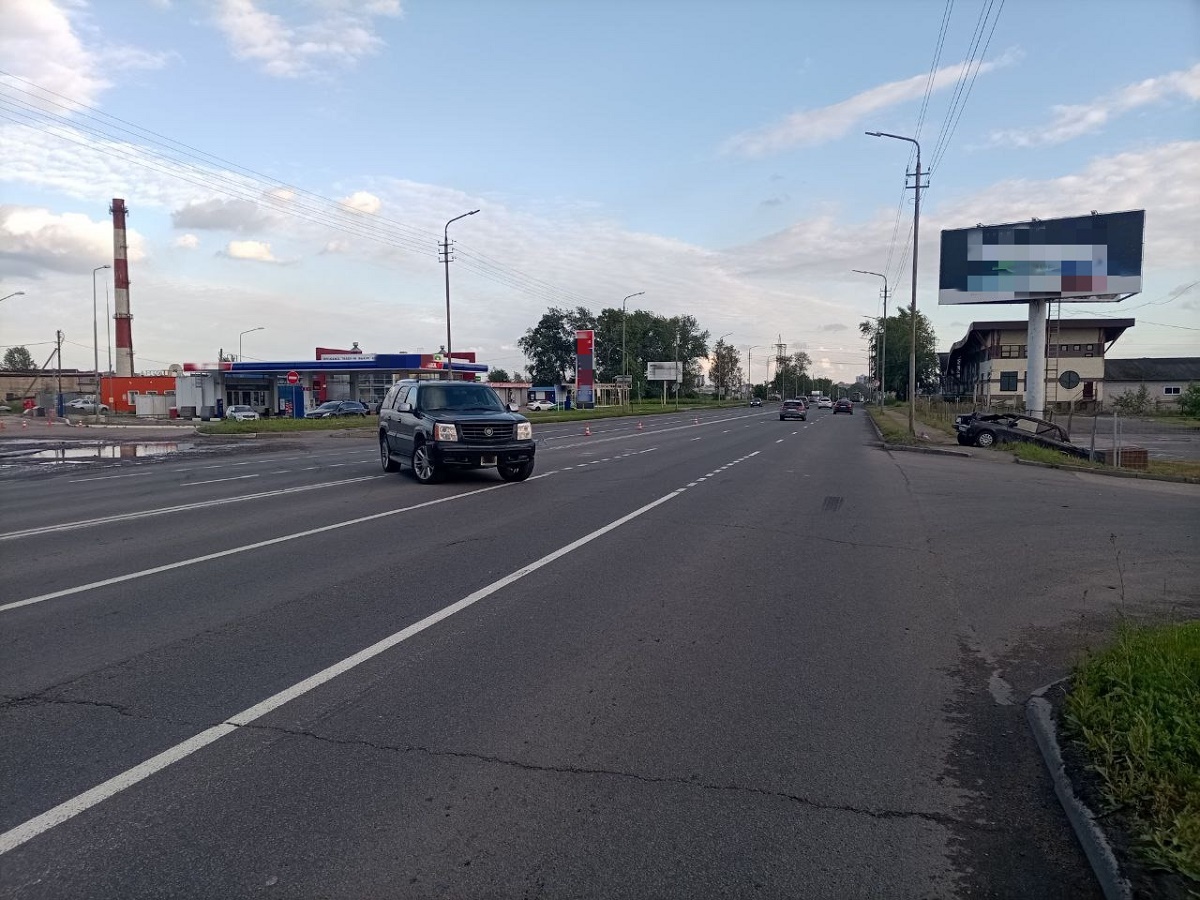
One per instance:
[(184, 507), (30, 829), (217, 480), (221, 554), (780, 441)]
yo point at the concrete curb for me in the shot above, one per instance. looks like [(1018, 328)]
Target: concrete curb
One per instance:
[(1095, 843), (1111, 473), (912, 448)]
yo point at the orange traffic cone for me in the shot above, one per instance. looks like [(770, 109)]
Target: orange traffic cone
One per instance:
[(695, 420), (24, 423), (640, 426), (587, 431)]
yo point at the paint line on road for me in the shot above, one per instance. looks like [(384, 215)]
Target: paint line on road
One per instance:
[(184, 507), (218, 480), (107, 477), (258, 545), (780, 441), (69, 809)]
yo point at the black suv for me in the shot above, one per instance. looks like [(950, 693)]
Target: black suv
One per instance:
[(437, 425)]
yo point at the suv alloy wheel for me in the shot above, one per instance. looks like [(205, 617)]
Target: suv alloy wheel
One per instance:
[(423, 466)]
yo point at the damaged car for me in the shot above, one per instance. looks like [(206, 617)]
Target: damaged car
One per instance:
[(989, 429)]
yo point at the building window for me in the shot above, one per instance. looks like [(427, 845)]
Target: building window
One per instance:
[(1171, 391), (1008, 381), (151, 393), (1062, 348), (1076, 347), (1089, 347)]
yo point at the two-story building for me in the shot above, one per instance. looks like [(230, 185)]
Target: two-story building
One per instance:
[(990, 364)]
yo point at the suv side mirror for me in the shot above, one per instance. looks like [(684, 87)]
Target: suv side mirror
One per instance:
[(403, 407), (512, 407)]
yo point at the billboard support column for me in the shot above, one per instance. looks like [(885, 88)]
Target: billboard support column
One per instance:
[(1035, 350)]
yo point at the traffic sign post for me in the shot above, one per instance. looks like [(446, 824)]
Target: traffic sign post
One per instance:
[(293, 377)]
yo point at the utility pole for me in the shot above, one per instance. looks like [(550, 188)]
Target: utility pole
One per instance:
[(780, 359), (446, 257), (58, 404), (882, 334)]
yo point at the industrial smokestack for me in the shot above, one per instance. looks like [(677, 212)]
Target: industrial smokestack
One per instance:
[(122, 315)]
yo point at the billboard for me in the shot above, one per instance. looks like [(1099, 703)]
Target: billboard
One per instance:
[(585, 373), (1078, 258), (664, 371)]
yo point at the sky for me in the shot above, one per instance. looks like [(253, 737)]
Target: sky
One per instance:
[(290, 166)]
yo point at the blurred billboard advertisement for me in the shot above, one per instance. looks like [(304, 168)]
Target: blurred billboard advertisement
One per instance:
[(1096, 257)]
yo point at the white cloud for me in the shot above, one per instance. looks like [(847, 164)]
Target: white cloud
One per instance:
[(363, 202), (38, 42), (34, 240), (187, 242), (341, 34), (1072, 121), (219, 214), (258, 251), (817, 126)]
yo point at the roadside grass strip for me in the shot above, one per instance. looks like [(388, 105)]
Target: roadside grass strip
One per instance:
[(1134, 711)]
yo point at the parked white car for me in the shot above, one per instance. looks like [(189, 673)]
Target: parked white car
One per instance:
[(241, 414), (541, 405), (87, 405)]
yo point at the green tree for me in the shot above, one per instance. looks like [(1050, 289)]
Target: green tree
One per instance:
[(1189, 400), (899, 340), (498, 375), (1133, 403), (792, 375), (18, 359), (550, 345), (726, 369)]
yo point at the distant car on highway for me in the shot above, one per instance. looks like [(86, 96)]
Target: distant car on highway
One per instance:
[(793, 409), (241, 414), (541, 405), (755, 401), (824, 403), (334, 408), (843, 406)]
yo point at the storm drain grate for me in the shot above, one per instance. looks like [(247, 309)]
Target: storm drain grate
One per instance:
[(832, 504)]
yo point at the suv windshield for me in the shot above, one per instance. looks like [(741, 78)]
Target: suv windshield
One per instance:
[(460, 397)]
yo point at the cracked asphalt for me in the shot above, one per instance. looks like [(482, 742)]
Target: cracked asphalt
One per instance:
[(727, 658)]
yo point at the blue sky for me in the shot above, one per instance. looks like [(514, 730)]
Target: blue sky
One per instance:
[(710, 154)]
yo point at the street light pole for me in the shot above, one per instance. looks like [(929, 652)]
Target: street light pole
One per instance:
[(247, 331), (882, 334), (446, 260), (912, 350), (96, 340), (625, 355), (749, 370), (19, 293)]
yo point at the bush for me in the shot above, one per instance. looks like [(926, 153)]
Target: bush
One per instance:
[(1189, 400)]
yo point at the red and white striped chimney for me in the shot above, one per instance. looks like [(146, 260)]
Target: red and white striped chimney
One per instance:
[(122, 315)]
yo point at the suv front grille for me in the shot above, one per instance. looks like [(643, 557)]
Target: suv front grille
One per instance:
[(478, 433)]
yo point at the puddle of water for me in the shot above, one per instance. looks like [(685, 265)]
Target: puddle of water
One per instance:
[(106, 451)]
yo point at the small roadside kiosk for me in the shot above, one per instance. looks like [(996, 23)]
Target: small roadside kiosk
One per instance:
[(289, 387)]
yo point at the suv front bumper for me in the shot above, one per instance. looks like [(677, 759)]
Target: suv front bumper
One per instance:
[(473, 456)]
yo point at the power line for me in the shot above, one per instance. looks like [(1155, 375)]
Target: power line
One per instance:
[(945, 145), (245, 184)]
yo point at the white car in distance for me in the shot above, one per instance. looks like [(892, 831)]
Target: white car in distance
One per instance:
[(241, 414), (541, 405)]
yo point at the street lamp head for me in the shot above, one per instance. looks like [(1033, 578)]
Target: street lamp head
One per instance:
[(875, 133)]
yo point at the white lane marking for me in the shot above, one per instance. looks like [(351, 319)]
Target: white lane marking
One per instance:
[(279, 472), (221, 554), (107, 477), (795, 432), (693, 483), (780, 441), (217, 480), (67, 810), (202, 504), (696, 439)]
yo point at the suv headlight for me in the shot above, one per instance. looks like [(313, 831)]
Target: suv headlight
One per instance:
[(445, 432), (524, 431)]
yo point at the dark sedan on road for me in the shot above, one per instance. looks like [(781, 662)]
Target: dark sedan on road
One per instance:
[(334, 408), (990, 429), (843, 406)]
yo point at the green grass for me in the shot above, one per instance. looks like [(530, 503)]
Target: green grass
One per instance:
[(1034, 453), (1134, 710), (284, 425), (893, 431)]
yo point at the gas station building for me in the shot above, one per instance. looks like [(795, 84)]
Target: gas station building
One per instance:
[(290, 387)]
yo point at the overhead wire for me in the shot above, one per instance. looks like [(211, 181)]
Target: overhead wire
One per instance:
[(940, 151), (246, 184)]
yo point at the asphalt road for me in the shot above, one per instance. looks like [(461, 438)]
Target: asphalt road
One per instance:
[(726, 658)]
